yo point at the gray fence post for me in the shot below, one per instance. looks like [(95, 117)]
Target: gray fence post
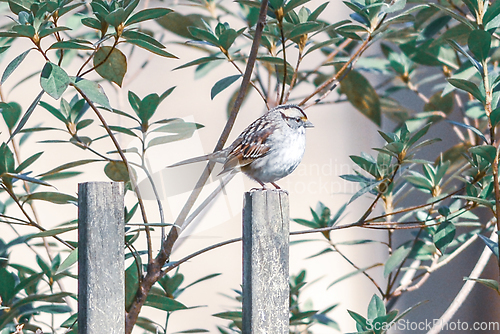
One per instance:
[(101, 278), (265, 262)]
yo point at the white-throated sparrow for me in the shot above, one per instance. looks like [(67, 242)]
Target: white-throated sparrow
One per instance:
[(268, 149)]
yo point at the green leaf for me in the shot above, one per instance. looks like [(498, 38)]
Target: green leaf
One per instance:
[(488, 152), (470, 127), (92, 23), (366, 165), (121, 129), (70, 45), (493, 246), (227, 38), (473, 61), (368, 188), (362, 95), (419, 182), (444, 235), (93, 91), (480, 201), (51, 309), (16, 6), (231, 315), (164, 303), (68, 262), (166, 93), (147, 14), (437, 102), (322, 44), (204, 35), (469, 87), (54, 197), (24, 30), (223, 84), (490, 283), (99, 9), (148, 325), (27, 283), (83, 124), (10, 113), (116, 17), (25, 178), (179, 126), (27, 114), (69, 165), (151, 48), (111, 64), (168, 139), (303, 29), (179, 24), (147, 107), (293, 4), (495, 116), (419, 134), (360, 320), (131, 283), (199, 61), (376, 308), (479, 44), (54, 80), (49, 31), (133, 34), (306, 223), (13, 65), (117, 171), (7, 287), (396, 259)]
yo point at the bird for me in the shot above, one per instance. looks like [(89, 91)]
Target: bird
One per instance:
[(269, 149)]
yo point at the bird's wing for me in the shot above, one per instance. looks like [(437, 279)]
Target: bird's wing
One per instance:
[(250, 145)]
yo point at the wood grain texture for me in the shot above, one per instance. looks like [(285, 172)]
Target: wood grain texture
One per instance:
[(266, 262), (101, 283)]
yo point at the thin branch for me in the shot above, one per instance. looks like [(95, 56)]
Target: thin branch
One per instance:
[(294, 77), (358, 268), (250, 82), (344, 69), (283, 47)]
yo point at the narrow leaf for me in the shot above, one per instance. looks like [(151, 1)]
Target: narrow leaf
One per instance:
[(469, 87), (13, 65), (223, 84), (27, 114), (397, 258), (147, 14), (54, 197), (68, 262), (469, 127)]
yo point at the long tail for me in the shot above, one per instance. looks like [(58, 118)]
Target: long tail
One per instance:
[(219, 156), (189, 161)]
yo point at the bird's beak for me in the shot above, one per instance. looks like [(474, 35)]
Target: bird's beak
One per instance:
[(308, 124)]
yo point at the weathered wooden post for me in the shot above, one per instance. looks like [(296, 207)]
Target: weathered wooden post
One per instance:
[(101, 278), (265, 262)]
